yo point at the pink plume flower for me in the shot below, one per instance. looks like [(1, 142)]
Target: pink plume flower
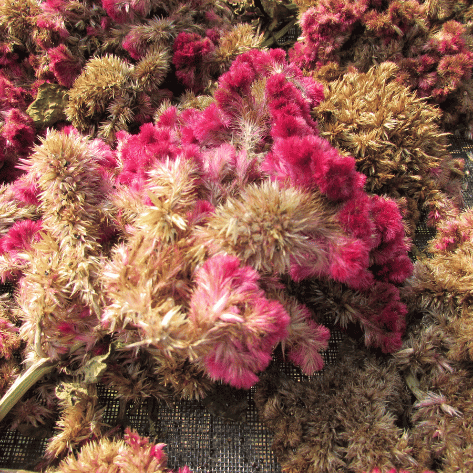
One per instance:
[(18, 130), (20, 236), (139, 152), (11, 96), (26, 190), (239, 325), (306, 340), (190, 53), (64, 65), (125, 11)]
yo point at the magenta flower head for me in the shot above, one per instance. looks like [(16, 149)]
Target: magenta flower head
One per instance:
[(238, 326), (64, 65)]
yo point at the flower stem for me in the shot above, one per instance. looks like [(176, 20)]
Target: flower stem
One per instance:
[(24, 382)]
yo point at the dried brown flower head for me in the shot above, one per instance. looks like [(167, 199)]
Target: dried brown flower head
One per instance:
[(105, 89), (343, 420), (269, 227), (395, 139), (443, 284), (81, 419)]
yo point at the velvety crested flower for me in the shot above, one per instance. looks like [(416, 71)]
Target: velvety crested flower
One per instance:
[(238, 326), (190, 54), (64, 65), (138, 153), (20, 236), (17, 135), (343, 420), (395, 139), (18, 239)]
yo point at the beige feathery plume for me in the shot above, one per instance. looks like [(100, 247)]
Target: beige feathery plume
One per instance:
[(269, 227)]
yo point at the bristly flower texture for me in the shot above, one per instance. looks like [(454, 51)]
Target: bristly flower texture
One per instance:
[(395, 139), (133, 454), (433, 52), (239, 326), (177, 245), (443, 283), (343, 420)]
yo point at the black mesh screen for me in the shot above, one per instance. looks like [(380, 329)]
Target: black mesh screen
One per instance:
[(194, 436)]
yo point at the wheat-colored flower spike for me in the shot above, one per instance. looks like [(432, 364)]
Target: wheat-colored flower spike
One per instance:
[(80, 419), (150, 71), (173, 188), (190, 100), (267, 225), (147, 286), (101, 80), (239, 39)]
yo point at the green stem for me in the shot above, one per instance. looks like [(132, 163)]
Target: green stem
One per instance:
[(24, 382)]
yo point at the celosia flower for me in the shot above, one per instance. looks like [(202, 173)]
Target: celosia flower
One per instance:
[(64, 65), (398, 147), (123, 12), (18, 130), (345, 419), (191, 52), (238, 327), (434, 53), (134, 454), (9, 339), (20, 236), (138, 153), (18, 239), (272, 228), (306, 339), (393, 470)]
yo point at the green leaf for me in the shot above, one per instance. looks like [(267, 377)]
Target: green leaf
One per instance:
[(49, 106), (95, 368)]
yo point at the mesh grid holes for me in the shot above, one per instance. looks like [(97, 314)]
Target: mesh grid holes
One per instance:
[(18, 451)]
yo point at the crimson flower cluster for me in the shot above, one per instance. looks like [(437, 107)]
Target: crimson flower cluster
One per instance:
[(259, 129), (433, 51)]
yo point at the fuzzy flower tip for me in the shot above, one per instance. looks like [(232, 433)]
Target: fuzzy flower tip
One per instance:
[(20, 236), (64, 65), (133, 454), (239, 326), (18, 130)]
